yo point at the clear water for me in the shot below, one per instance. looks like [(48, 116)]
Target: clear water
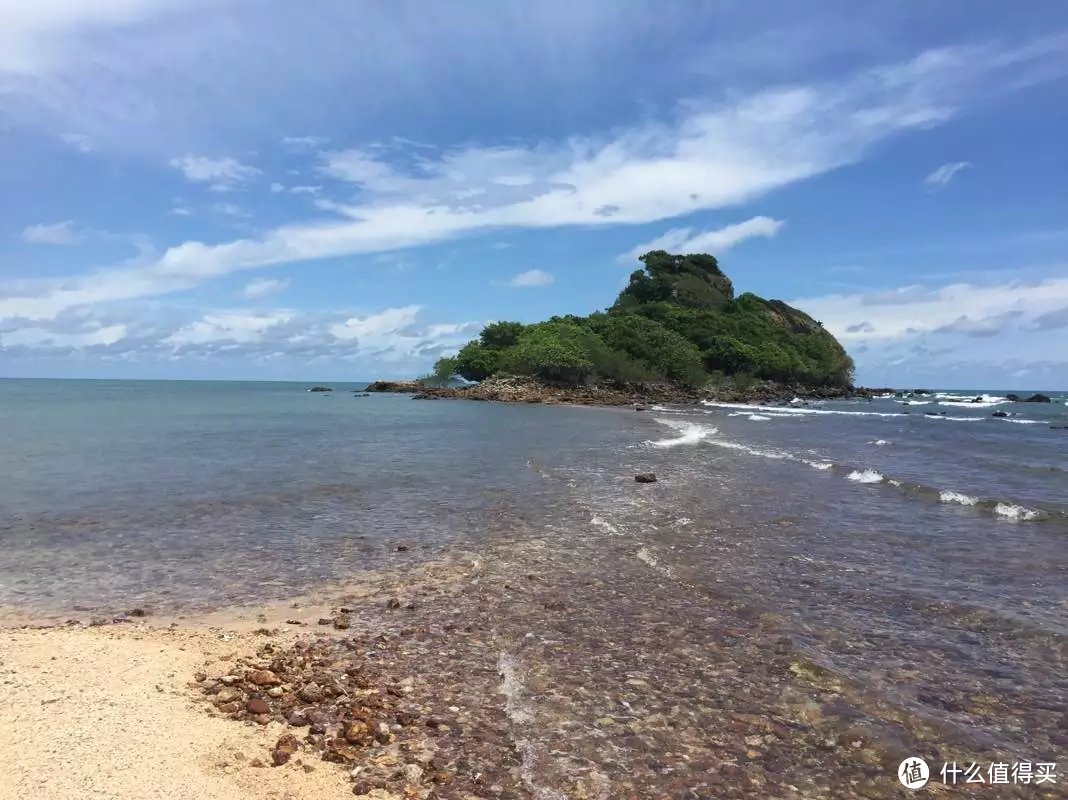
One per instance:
[(923, 557)]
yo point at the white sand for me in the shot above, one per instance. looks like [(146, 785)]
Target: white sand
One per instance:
[(107, 712)]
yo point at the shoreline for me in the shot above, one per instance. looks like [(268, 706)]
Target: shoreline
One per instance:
[(527, 668), (526, 390)]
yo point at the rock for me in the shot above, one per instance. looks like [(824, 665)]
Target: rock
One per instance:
[(357, 732), (1037, 398), (227, 695), (320, 389), (402, 548), (137, 612), (297, 719), (229, 680), (287, 742), (1000, 414), (325, 621), (1013, 397), (645, 477), (400, 387), (413, 773), (393, 603), (276, 692), (257, 705), (280, 757), (311, 693), (341, 622), (263, 677)]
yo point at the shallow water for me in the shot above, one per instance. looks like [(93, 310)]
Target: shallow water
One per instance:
[(935, 585)]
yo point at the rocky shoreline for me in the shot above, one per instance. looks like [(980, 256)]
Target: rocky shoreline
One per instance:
[(528, 390)]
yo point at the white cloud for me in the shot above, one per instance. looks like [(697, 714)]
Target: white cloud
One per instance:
[(55, 233), (223, 174), (242, 328), (951, 335), (531, 278), (709, 156), (377, 326), (714, 242), (261, 287), (965, 308), (277, 187), (941, 177)]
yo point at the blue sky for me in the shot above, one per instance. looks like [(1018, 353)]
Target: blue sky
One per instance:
[(330, 190)]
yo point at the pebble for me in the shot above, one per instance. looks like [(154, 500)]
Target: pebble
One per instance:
[(257, 706)]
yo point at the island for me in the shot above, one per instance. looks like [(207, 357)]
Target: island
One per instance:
[(676, 332)]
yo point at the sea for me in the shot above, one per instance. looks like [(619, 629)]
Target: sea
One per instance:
[(917, 545)]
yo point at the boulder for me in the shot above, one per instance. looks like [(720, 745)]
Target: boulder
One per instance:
[(320, 389), (1013, 397), (1000, 414), (1037, 398), (645, 477)]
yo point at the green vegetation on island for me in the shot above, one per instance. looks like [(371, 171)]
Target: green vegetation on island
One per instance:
[(677, 322)]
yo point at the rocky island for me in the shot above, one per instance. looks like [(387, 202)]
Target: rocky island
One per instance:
[(675, 333)]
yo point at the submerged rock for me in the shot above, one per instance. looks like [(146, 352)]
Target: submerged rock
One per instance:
[(1037, 398), (645, 477)]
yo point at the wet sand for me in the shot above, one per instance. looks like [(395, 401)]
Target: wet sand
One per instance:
[(525, 669)]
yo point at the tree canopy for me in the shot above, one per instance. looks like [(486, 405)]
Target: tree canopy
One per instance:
[(677, 321)]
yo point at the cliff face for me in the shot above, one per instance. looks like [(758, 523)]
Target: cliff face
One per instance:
[(676, 322)]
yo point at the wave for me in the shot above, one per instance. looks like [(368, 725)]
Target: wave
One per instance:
[(865, 476), (1024, 421), (689, 433), (757, 417), (880, 442), (693, 432), (787, 410), (949, 496), (1015, 512)]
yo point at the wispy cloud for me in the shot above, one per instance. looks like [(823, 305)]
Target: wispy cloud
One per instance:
[(708, 156), (941, 177), (688, 240), (223, 174), (262, 287), (531, 279), (56, 233)]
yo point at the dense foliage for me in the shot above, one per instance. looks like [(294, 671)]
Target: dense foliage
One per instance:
[(676, 321)]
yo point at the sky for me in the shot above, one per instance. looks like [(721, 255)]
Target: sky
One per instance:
[(341, 189)]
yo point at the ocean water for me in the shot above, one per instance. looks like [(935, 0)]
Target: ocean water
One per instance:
[(922, 553)]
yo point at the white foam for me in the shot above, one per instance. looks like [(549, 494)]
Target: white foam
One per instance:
[(820, 465), (689, 433), (1013, 511), (682, 522), (604, 525), (947, 496), (880, 442), (786, 410), (758, 417), (1023, 421), (865, 476)]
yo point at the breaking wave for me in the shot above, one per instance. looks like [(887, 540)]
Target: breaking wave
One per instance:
[(689, 433), (948, 496), (1015, 512), (865, 476)]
